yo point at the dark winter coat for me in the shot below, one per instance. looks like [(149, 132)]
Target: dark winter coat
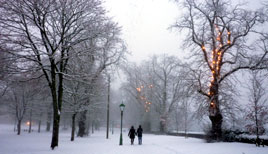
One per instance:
[(132, 133), (139, 132)]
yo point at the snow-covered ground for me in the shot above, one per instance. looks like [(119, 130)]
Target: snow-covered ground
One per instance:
[(39, 143)]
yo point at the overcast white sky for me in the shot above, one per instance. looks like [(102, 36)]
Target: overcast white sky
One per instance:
[(145, 26)]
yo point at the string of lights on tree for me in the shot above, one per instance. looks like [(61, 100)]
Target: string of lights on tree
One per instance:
[(143, 99), (215, 61)]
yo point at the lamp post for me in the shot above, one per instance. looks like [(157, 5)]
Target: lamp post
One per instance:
[(108, 108), (122, 107)]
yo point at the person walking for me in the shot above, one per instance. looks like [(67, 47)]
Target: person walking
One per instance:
[(131, 134), (139, 133)]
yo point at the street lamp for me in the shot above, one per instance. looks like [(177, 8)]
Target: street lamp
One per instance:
[(122, 107)]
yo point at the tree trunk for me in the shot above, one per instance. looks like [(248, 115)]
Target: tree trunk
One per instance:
[(57, 102), (88, 127), (112, 127), (186, 119), (65, 125), (177, 122), (56, 116), (216, 126), (214, 109), (19, 127), (162, 129), (48, 126), (92, 126), (163, 118), (257, 124), (15, 125), (39, 123), (48, 121), (82, 124), (39, 126), (147, 122), (162, 125), (215, 115), (73, 126), (55, 133), (30, 124)]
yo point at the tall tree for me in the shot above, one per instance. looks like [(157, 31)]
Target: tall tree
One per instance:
[(168, 86), (217, 37), (21, 94), (104, 52), (257, 108), (79, 99), (135, 91), (158, 84)]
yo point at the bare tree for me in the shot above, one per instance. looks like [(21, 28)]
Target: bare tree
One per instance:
[(40, 105), (75, 99), (79, 99), (218, 41), (257, 109), (20, 94), (45, 32), (135, 89), (183, 115), (104, 52), (168, 85), (187, 116), (158, 84), (86, 68), (19, 105)]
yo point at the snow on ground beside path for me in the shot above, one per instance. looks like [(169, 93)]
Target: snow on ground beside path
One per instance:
[(39, 143)]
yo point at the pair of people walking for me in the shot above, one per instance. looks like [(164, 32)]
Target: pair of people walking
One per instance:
[(132, 133)]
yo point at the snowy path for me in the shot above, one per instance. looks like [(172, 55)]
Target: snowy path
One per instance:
[(36, 143)]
